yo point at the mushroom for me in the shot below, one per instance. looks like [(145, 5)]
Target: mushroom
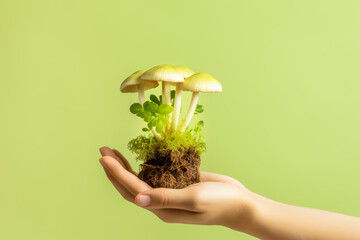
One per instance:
[(165, 73), (133, 84), (185, 72), (199, 82)]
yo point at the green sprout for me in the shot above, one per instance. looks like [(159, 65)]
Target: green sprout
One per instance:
[(199, 109), (153, 113)]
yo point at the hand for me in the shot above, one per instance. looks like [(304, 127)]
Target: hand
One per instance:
[(216, 200), (222, 200)]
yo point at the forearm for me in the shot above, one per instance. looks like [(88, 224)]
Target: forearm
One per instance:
[(273, 220)]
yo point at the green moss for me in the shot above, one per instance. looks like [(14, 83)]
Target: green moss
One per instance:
[(146, 146)]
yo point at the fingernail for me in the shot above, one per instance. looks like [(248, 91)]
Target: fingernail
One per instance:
[(143, 200)]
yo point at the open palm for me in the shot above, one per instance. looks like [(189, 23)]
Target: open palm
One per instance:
[(217, 199)]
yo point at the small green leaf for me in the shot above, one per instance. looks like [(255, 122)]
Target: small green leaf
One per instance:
[(165, 109), (162, 119), (160, 100), (199, 109), (200, 124), (152, 123), (146, 104), (145, 130), (135, 108), (159, 126), (151, 107), (146, 116), (154, 99)]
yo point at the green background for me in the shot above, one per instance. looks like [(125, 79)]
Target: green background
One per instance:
[(286, 124)]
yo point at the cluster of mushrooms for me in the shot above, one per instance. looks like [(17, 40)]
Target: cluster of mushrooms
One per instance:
[(182, 78)]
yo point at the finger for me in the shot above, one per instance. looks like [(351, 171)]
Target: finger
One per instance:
[(123, 191), (132, 183), (160, 198), (213, 177), (124, 160), (179, 216), (105, 151)]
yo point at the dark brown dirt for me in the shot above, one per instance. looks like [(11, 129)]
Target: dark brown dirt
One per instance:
[(172, 169)]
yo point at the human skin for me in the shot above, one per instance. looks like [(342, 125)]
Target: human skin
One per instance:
[(222, 200)]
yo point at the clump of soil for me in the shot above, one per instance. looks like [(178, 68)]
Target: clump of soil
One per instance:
[(171, 168)]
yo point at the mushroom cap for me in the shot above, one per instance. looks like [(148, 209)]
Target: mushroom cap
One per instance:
[(131, 84), (201, 82), (165, 72), (184, 71)]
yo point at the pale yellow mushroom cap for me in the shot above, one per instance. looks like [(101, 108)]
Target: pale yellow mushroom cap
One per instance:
[(201, 82), (184, 71), (131, 84), (165, 72)]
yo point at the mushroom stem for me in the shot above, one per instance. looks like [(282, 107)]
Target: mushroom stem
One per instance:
[(166, 99), (141, 93), (185, 122), (177, 105), (156, 134), (166, 93)]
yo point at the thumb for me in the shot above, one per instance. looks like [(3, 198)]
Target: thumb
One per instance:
[(167, 198)]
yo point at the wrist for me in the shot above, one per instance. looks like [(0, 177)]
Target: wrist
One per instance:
[(243, 212), (261, 215), (248, 213)]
